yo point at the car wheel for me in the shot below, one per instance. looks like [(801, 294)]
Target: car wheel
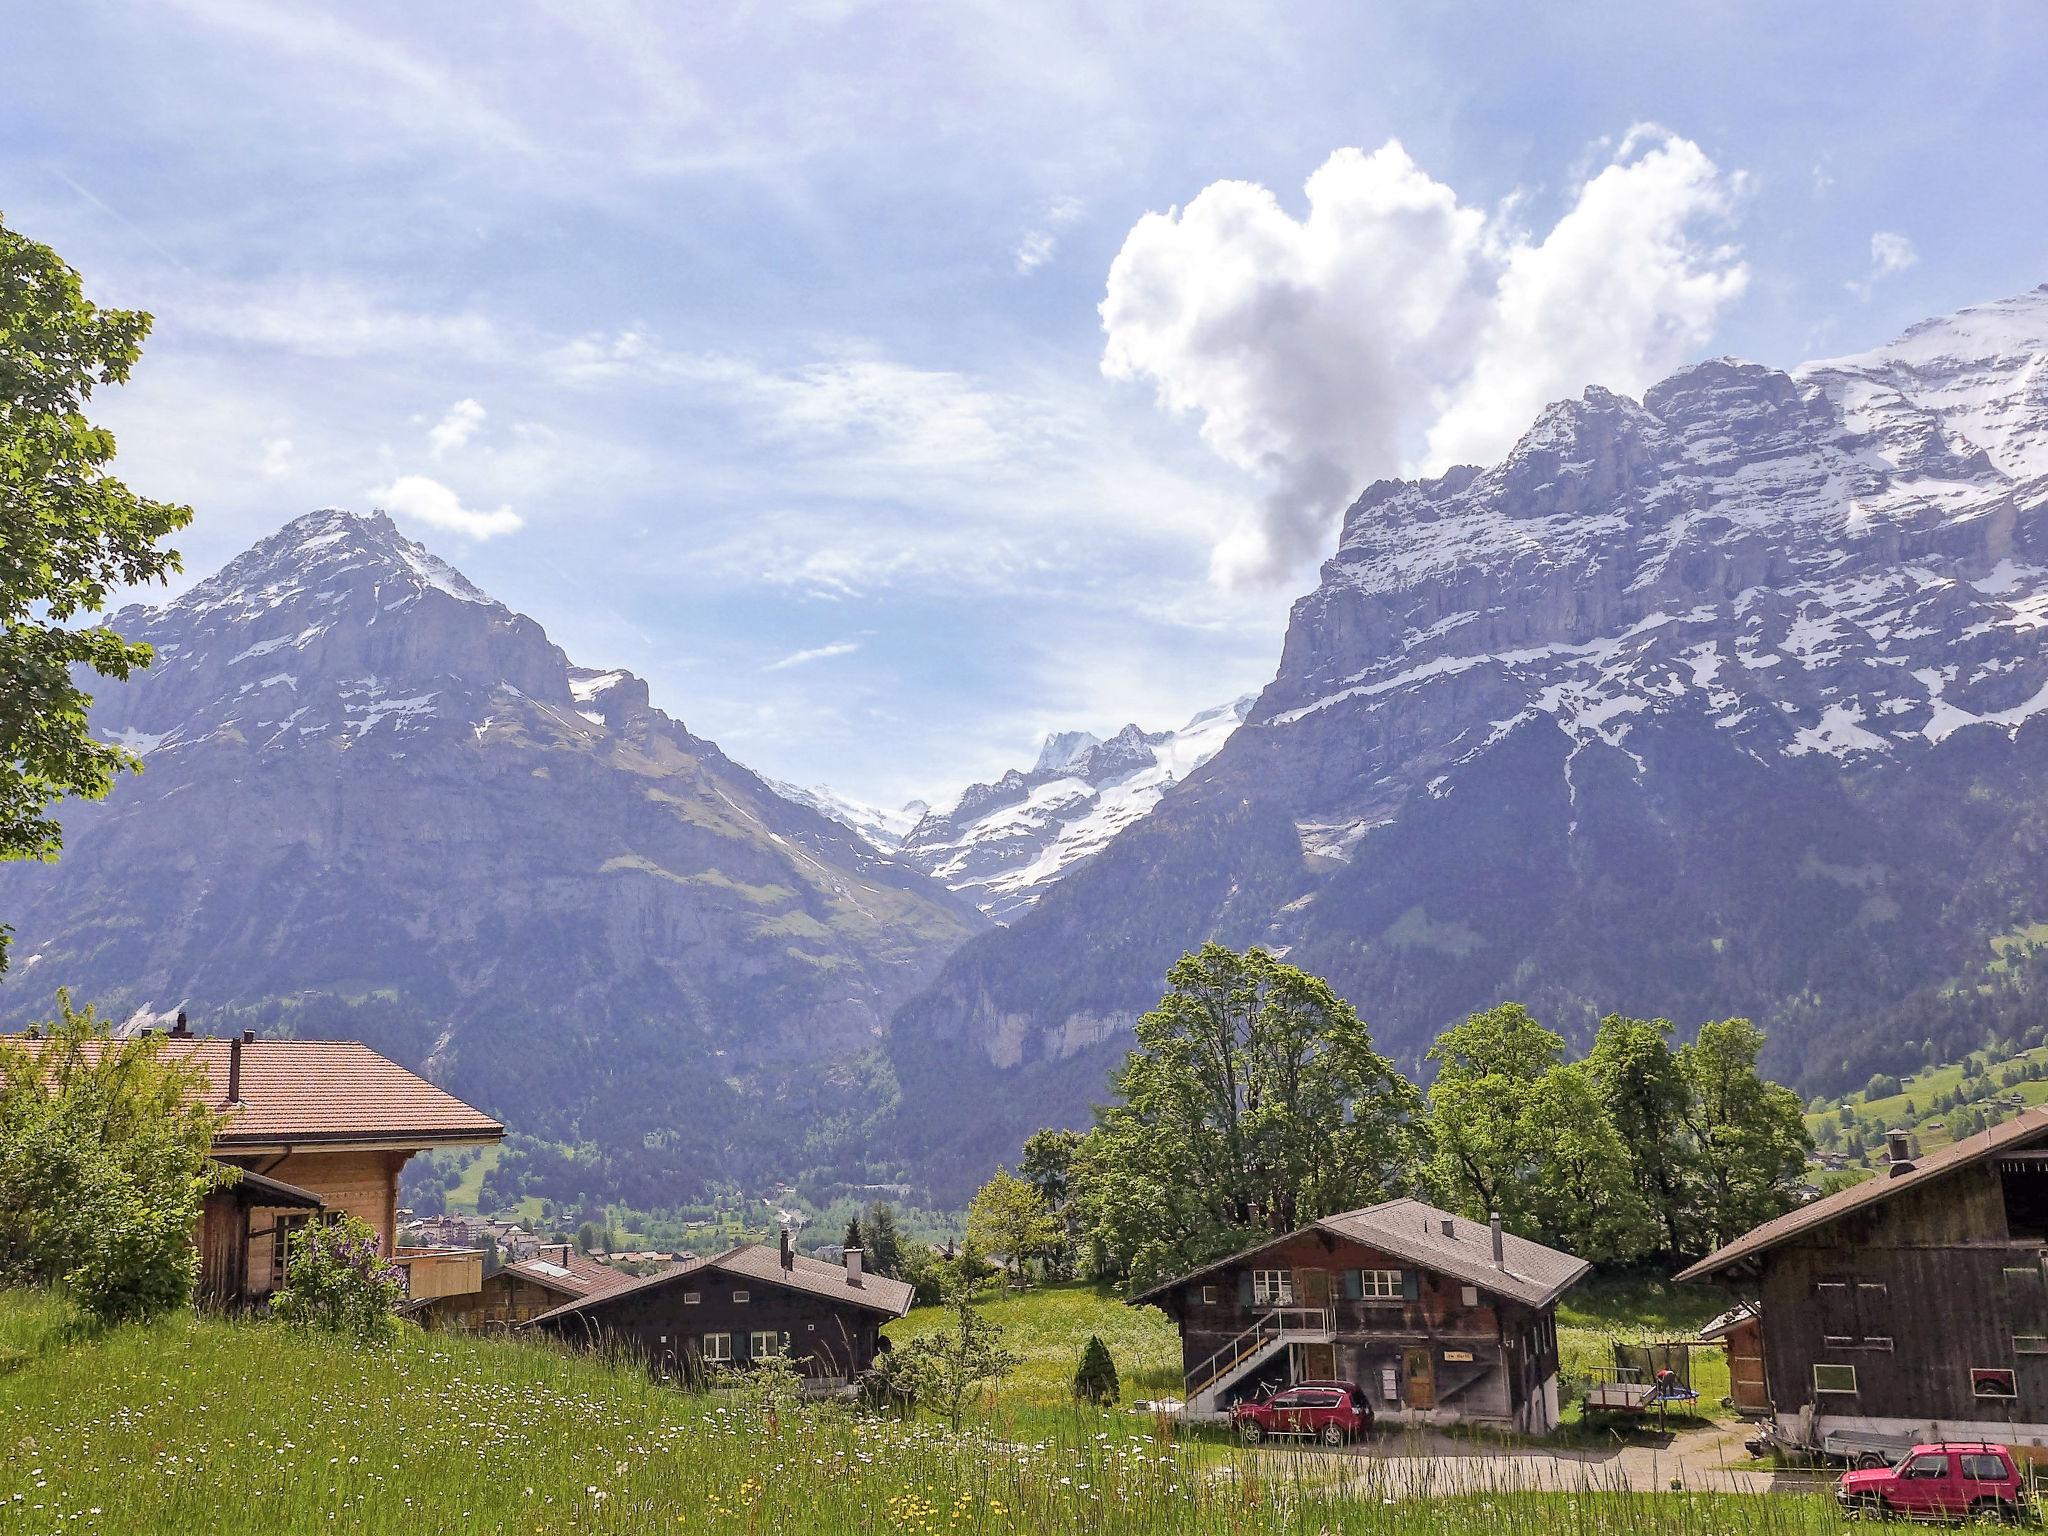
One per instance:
[(1333, 1433), (1251, 1432), (1869, 1506), (1990, 1512)]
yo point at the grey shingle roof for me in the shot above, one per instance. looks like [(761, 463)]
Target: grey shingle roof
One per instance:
[(762, 1264), (1413, 1230)]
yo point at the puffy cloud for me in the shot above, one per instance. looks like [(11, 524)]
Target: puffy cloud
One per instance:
[(1889, 254), (456, 428), (1394, 329), (437, 506), (816, 653), (277, 458)]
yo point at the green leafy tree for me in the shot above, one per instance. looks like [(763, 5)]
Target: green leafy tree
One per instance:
[(103, 1166), (885, 1241), (1750, 1136), (1007, 1216), (70, 533), (338, 1280), (1646, 1093), (1048, 1165), (1586, 1197), (945, 1371), (1486, 1139), (1095, 1378), (1253, 1103)]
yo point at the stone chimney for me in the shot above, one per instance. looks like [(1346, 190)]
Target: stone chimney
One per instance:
[(788, 1254), (1450, 1227), (1500, 1247), (181, 1030), (1898, 1147), (853, 1258)]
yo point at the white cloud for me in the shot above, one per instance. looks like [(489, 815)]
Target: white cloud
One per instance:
[(1042, 240), (277, 457), (1891, 253), (456, 428), (816, 653), (437, 506), (1394, 329)]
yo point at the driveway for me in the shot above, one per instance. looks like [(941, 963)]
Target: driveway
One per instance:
[(1429, 1464)]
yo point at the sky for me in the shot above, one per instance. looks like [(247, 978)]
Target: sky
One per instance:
[(891, 384)]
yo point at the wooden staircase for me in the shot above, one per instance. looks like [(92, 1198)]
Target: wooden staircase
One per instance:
[(1251, 1349)]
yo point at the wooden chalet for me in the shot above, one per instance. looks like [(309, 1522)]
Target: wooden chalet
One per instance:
[(1439, 1319), (552, 1276), (746, 1304), (1915, 1303)]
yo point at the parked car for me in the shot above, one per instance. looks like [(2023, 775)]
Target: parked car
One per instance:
[(1950, 1480), (1330, 1411)]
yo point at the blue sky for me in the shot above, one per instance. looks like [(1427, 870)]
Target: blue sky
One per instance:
[(890, 384)]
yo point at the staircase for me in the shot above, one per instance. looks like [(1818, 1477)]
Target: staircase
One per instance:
[(1251, 1349)]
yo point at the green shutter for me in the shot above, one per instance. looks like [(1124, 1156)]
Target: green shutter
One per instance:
[(1411, 1285), (1244, 1288), (1354, 1285)]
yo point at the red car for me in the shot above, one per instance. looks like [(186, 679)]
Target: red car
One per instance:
[(1951, 1480), (1330, 1411)]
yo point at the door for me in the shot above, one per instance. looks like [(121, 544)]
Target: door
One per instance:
[(1318, 1362), (1313, 1286), (1418, 1374), (1924, 1484)]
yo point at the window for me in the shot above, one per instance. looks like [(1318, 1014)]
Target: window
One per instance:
[(282, 1231), (718, 1346), (739, 1296), (1873, 1298), (761, 1345), (1469, 1296), (693, 1298), (1984, 1467), (1837, 1313), (1933, 1464), (1834, 1378), (1208, 1295), (2030, 1344), (1994, 1383), (1380, 1284), (1273, 1287)]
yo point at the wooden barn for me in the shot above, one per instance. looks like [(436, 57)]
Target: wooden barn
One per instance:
[(1440, 1319), (748, 1303), (1915, 1303)]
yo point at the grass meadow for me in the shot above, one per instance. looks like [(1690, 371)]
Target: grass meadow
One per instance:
[(195, 1424)]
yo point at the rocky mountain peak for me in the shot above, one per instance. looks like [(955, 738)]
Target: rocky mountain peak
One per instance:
[(1062, 748)]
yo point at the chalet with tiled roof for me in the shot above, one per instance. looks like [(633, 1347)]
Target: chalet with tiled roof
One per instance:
[(746, 1304), (1438, 1318), (554, 1275)]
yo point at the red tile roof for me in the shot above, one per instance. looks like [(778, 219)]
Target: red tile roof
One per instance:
[(578, 1277), (314, 1092), (760, 1263)]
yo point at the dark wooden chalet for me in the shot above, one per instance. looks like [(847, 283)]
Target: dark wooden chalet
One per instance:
[(1439, 1319), (522, 1290), (746, 1304), (1914, 1303)]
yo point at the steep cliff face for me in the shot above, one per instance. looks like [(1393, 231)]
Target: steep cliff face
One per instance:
[(1728, 700), (376, 801)]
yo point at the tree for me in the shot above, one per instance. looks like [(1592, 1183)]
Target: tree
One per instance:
[(854, 1238), (1750, 1135), (1645, 1092), (338, 1280), (1049, 1167), (1253, 1103), (1095, 1378), (70, 533), (1486, 1141), (589, 1237), (885, 1241), (1009, 1218), (103, 1166), (1586, 1201), (944, 1370)]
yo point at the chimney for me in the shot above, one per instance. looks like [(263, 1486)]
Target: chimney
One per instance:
[(181, 1030), (235, 1066), (1898, 1146), (853, 1258), (788, 1257), (1450, 1227), (1500, 1249)]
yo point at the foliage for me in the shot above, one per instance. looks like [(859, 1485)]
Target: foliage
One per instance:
[(884, 1241), (70, 533), (1254, 1102), (1009, 1217), (1041, 1325), (103, 1165), (337, 1280), (853, 1237), (945, 1370), (1095, 1379), (1750, 1134)]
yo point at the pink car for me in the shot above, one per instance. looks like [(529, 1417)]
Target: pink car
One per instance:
[(1333, 1412), (1952, 1480)]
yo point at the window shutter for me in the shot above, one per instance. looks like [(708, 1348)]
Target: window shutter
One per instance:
[(1244, 1288), (1411, 1285), (1354, 1285)]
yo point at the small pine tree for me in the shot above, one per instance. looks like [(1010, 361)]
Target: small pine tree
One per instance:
[(854, 1238), (1095, 1378)]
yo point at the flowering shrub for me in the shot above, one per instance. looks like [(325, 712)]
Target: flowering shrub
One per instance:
[(339, 1280)]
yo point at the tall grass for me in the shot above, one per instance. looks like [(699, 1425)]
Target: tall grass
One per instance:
[(197, 1425)]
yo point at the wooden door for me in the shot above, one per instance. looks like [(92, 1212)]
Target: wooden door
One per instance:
[(1418, 1370), (1318, 1362), (1313, 1287)]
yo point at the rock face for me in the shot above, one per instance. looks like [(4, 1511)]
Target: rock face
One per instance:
[(1003, 845), (1730, 700), (377, 802)]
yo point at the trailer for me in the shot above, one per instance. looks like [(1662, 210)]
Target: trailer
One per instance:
[(1621, 1390)]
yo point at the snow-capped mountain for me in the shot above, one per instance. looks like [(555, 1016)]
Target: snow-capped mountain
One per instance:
[(1730, 700), (881, 826), (1003, 845), (377, 802)]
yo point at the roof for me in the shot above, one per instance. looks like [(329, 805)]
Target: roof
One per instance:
[(254, 1188), (580, 1276), (305, 1092), (1414, 1230), (1729, 1321), (759, 1262), (1950, 1159)]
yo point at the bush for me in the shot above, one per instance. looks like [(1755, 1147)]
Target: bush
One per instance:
[(338, 1281), (1095, 1379)]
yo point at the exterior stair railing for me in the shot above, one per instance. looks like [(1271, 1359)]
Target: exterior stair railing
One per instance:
[(1276, 1325)]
